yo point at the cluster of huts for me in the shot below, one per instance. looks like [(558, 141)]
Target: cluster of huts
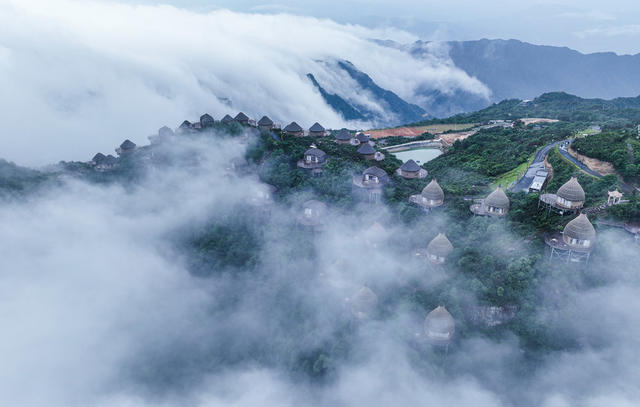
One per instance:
[(439, 326), (573, 244)]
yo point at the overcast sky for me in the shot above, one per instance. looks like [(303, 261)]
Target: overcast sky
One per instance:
[(585, 25)]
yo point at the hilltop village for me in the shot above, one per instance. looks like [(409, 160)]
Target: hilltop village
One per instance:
[(499, 239)]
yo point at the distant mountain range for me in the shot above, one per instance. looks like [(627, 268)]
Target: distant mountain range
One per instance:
[(511, 69), (389, 107)]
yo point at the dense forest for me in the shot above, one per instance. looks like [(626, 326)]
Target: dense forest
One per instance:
[(495, 262), (556, 105)]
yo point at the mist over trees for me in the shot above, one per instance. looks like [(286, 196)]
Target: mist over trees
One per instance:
[(197, 287)]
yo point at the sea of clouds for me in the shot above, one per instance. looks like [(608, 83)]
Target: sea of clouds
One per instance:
[(80, 76), (99, 307)]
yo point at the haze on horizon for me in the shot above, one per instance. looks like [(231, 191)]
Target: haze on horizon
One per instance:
[(586, 26)]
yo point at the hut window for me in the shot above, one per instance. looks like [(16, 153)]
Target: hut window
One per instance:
[(439, 335), (308, 212)]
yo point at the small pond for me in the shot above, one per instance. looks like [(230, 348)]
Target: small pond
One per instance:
[(419, 155)]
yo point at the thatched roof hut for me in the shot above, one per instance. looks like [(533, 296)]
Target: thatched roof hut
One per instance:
[(439, 248), (570, 195), (206, 120), (294, 129), (98, 158), (317, 130), (432, 196), (367, 151), (227, 119), (439, 326), (579, 233), (313, 213), (265, 123), (411, 170), (126, 147), (165, 132), (497, 202), (364, 303), (241, 118), (343, 136), (362, 138), (374, 177)]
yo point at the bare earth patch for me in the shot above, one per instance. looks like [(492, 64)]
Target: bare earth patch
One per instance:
[(602, 167), (416, 131), (531, 120), (451, 138)]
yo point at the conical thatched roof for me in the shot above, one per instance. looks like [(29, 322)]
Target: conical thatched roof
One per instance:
[(206, 118), (580, 228), (440, 246), (186, 124), (241, 117), (128, 145), (497, 199), (383, 177), (316, 128), (165, 131), (366, 149), (98, 158), (572, 191), (265, 121), (440, 322), (343, 135), (410, 166), (433, 191), (227, 118), (293, 127), (364, 301), (316, 152), (363, 138)]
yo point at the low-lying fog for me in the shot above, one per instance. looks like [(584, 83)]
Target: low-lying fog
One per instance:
[(100, 306)]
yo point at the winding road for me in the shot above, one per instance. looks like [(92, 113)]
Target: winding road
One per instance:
[(524, 182)]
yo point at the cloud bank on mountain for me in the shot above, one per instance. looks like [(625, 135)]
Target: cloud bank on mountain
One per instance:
[(77, 76)]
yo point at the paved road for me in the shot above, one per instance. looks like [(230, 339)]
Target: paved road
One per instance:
[(580, 165), (524, 182)]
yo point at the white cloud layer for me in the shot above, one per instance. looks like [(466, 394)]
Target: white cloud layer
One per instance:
[(80, 76), (98, 309)]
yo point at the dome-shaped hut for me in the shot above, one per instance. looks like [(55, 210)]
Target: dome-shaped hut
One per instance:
[(373, 177), (364, 303), (575, 243), (241, 118), (411, 170), (579, 233), (439, 326), (313, 159), (126, 147), (372, 181), (496, 204), (367, 151), (206, 120), (313, 213), (343, 136), (570, 195), (431, 196), (362, 138), (265, 123), (294, 129), (317, 130), (439, 248)]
